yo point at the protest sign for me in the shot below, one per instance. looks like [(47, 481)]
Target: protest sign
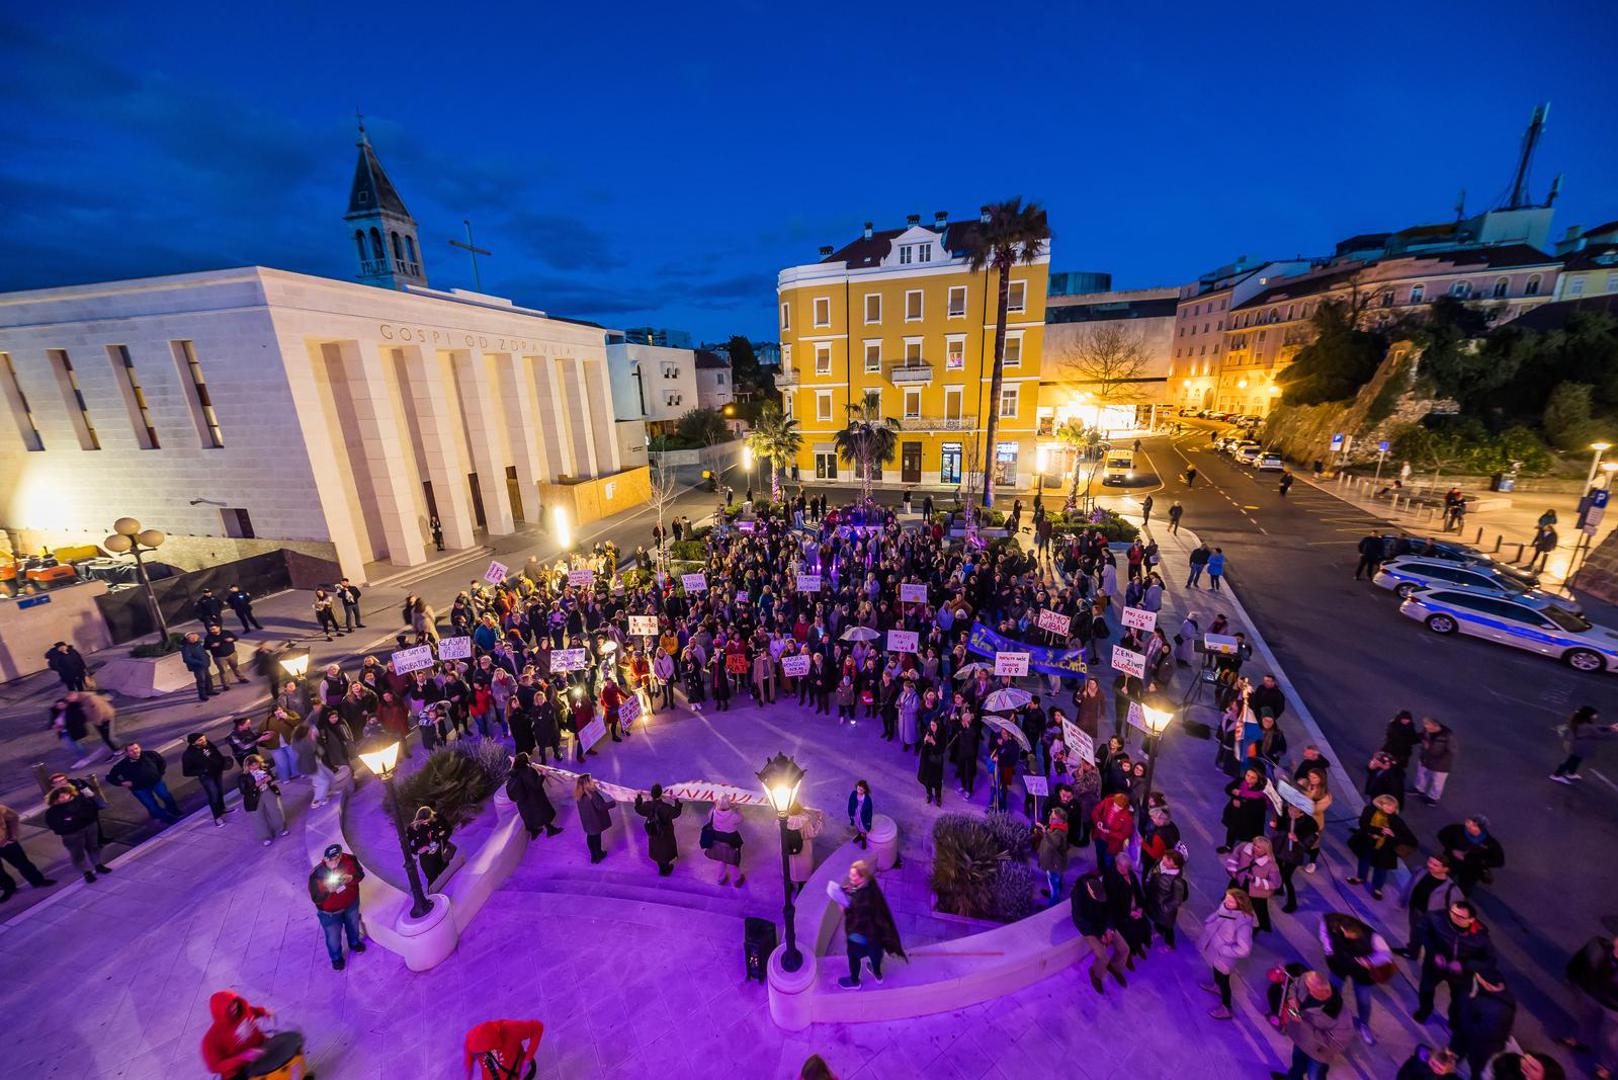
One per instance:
[(581, 579), (569, 660), (1273, 795), (629, 710), (496, 573), (912, 594), (1128, 661), (1055, 622), (1140, 619), (643, 625), (1219, 643), (1051, 661), (455, 648), (902, 641), (1036, 785), (808, 582), (794, 666), (408, 660), (1078, 743), (694, 582), (593, 732), (1011, 663)]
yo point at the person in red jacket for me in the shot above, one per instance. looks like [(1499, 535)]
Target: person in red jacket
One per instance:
[(1113, 823), (505, 1048), (236, 1048), (334, 886), (611, 699)]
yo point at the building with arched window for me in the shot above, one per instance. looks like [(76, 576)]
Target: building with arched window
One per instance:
[(374, 207)]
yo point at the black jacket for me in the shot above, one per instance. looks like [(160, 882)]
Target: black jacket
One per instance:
[(71, 816), (68, 664), (527, 789), (1479, 858), (1091, 914), (142, 772), (251, 792), (1480, 1022), (660, 815), (201, 760)]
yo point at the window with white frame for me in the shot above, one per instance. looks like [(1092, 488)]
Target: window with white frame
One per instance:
[(924, 253), (913, 305), (873, 307), (957, 301), (873, 400), (1017, 297), (873, 356), (1501, 286), (822, 311), (1418, 293), (786, 357), (786, 316), (822, 404), (955, 352), (786, 406), (1461, 290), (1013, 348), (1576, 287), (906, 254), (1008, 402), (822, 358), (912, 403), (953, 397), (912, 351)]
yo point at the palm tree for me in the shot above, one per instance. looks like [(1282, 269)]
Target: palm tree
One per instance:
[(1083, 439), (1008, 233), (776, 439), (868, 439)]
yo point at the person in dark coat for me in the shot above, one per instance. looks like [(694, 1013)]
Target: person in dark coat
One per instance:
[(207, 608), (142, 773), (964, 749), (1377, 840), (661, 843), (1473, 851), (1452, 944), (1593, 972), (1401, 738), (242, 604), (1480, 1023), (1092, 915), (526, 786), (930, 769), (1245, 809), (867, 921), (1384, 776), (197, 661), (594, 814), (1429, 1063), (203, 760), (69, 666)]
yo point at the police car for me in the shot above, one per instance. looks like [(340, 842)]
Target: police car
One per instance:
[(1532, 625), (1404, 574)]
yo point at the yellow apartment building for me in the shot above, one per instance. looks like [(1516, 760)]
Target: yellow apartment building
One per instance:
[(895, 318)]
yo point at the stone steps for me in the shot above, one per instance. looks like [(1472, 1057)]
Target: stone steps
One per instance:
[(647, 888)]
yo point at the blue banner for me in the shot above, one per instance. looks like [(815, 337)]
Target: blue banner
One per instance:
[(986, 642)]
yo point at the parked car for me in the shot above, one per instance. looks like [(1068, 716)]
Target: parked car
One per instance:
[(1449, 551), (1406, 574), (1270, 461), (1533, 626), (1246, 453)]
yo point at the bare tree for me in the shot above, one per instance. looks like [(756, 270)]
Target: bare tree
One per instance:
[(1108, 361), (665, 488)]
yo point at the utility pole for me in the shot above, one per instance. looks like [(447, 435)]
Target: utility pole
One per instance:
[(473, 250)]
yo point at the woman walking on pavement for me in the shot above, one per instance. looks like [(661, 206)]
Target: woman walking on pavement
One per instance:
[(1227, 939), (1581, 737), (867, 921), (526, 786), (723, 836), (595, 815)]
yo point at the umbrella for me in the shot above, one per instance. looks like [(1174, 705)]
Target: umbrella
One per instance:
[(1006, 699), (859, 633), (1000, 723), (966, 671)]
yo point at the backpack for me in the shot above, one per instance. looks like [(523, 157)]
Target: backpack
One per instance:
[(794, 842)]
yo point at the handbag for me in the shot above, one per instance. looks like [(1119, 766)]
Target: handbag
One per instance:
[(705, 838)]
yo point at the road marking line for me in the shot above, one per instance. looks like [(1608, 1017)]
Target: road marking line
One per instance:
[(1602, 777)]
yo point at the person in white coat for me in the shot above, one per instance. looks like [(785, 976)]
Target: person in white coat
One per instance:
[(1227, 939)]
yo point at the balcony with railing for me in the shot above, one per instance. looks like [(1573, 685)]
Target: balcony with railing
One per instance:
[(936, 423), (379, 267), (788, 376), (910, 373)]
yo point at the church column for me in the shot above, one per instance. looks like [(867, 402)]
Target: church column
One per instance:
[(552, 416), (523, 437), (473, 376), (430, 400), (383, 450), (576, 401), (598, 389)]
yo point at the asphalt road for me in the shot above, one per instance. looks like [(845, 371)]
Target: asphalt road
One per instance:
[(1357, 661)]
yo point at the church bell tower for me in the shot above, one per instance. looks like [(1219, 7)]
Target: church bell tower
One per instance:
[(383, 232)]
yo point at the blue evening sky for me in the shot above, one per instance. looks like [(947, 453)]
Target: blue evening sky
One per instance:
[(657, 164)]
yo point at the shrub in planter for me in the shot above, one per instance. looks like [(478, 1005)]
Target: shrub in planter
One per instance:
[(1014, 891), (149, 649), (455, 782), (688, 550), (1015, 837), (966, 857)]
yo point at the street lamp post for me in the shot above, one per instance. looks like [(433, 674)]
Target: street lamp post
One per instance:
[(1157, 722), (381, 760), (781, 777), (128, 536), (1595, 462)]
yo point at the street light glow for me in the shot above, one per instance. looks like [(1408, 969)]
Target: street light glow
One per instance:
[(381, 759), (564, 534), (1157, 720)]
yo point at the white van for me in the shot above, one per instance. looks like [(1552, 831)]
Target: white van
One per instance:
[(1120, 467)]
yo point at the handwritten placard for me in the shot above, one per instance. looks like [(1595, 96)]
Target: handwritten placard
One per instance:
[(1078, 742), (694, 582), (808, 582), (643, 626), (569, 660), (746, 525), (1055, 622), (629, 710), (455, 648), (1128, 661), (1219, 643), (1011, 663), (1140, 619), (496, 573), (1036, 785), (903, 641), (1273, 795), (1137, 717), (408, 660), (1295, 797), (912, 594), (581, 579), (794, 666), (593, 732)]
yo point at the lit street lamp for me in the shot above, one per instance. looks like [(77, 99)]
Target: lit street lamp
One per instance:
[(295, 662), (781, 778), (1595, 463), (381, 760), (128, 536), (1157, 722)]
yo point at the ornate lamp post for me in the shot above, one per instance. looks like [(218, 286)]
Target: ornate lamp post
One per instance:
[(1157, 722), (781, 777), (128, 536), (381, 760)]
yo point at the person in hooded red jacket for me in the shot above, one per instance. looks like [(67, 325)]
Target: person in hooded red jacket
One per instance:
[(505, 1048), (236, 1048)]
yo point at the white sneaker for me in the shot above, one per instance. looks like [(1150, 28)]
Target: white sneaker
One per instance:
[(266, 843), (219, 823), (1309, 869), (1559, 778)]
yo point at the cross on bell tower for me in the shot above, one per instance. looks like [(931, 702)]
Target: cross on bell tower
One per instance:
[(383, 232)]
